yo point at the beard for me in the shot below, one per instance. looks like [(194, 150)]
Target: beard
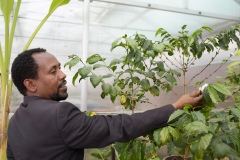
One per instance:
[(59, 97)]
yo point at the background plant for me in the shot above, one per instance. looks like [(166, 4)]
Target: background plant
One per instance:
[(144, 69), (5, 55)]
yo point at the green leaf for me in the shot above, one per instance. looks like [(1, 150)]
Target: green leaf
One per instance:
[(174, 133), (221, 88), (113, 93), (156, 137), (95, 80), (198, 116), (72, 62), (197, 33), (106, 88), (154, 91), (94, 58), (207, 28), (202, 145), (150, 53), (135, 80), (235, 111), (158, 31), (115, 43), (234, 64), (196, 127), (213, 94), (84, 71), (107, 75), (6, 7), (161, 73), (132, 43), (159, 47), (190, 40), (146, 44), (220, 149), (145, 84), (205, 141), (160, 65), (57, 3), (95, 66), (175, 72), (176, 114), (170, 78), (74, 78), (114, 62), (165, 136)]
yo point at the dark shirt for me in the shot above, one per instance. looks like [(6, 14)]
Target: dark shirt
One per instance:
[(43, 129)]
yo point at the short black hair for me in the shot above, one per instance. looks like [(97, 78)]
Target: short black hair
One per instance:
[(24, 67)]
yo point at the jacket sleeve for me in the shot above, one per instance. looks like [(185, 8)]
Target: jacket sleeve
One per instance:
[(79, 131)]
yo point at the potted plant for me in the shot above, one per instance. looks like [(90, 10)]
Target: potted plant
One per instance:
[(5, 56), (144, 69)]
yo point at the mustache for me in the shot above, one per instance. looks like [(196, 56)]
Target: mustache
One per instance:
[(64, 82)]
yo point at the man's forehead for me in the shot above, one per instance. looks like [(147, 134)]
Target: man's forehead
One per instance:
[(45, 58)]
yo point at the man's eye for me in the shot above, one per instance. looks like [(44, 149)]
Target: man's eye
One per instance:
[(53, 71)]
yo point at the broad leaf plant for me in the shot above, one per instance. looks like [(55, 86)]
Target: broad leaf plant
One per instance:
[(199, 133)]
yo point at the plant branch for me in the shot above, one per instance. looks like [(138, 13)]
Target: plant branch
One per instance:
[(204, 67)]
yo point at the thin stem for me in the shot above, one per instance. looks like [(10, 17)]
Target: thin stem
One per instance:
[(204, 67)]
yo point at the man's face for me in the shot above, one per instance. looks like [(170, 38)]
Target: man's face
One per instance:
[(51, 83)]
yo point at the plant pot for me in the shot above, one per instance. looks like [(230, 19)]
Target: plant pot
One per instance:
[(174, 157)]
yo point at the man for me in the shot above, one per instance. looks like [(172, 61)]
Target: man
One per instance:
[(43, 128)]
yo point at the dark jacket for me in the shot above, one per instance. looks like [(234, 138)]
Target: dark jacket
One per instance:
[(43, 129)]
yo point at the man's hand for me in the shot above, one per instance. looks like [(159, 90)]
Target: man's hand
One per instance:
[(193, 99)]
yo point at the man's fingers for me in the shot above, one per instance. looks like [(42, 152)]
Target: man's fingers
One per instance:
[(195, 94)]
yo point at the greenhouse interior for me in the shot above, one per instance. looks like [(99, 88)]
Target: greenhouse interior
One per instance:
[(84, 28)]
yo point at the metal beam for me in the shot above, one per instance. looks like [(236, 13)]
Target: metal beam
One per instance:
[(170, 9)]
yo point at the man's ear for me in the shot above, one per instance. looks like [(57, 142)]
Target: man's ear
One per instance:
[(29, 84)]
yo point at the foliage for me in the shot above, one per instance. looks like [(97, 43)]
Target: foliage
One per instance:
[(145, 68), (5, 56), (134, 74), (196, 133)]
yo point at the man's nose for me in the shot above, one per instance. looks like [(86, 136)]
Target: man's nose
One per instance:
[(62, 75)]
